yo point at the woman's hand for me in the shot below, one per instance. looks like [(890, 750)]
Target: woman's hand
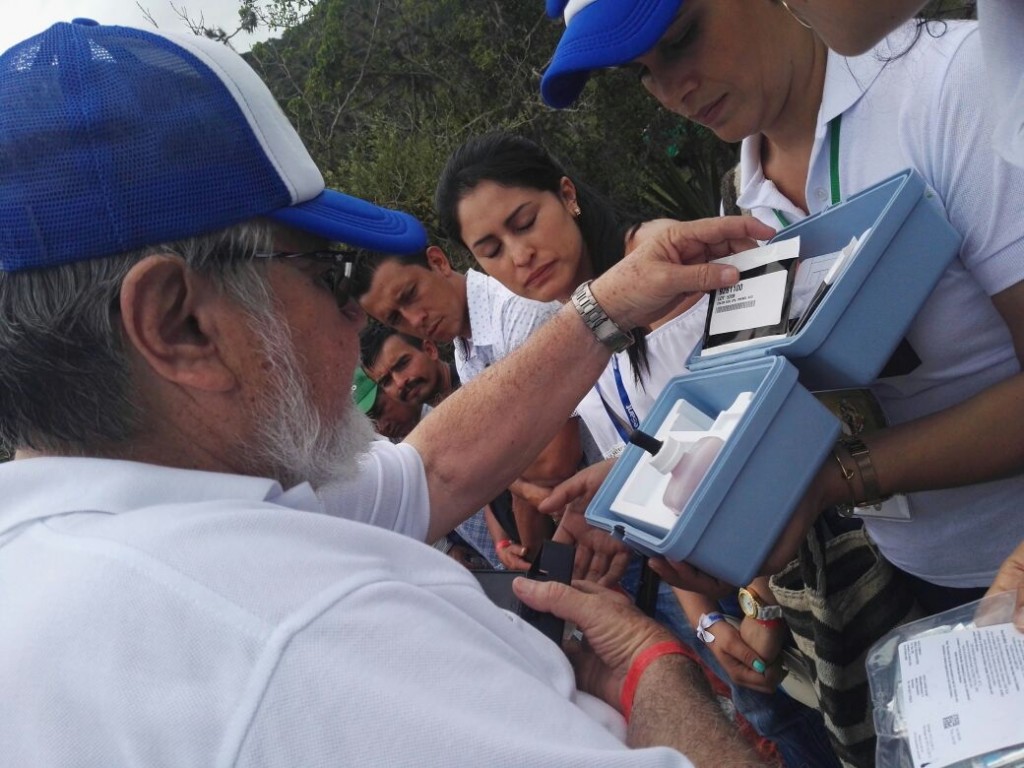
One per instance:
[(533, 527), (766, 639), (575, 493), (599, 557), (741, 661), (1010, 578), (744, 664), (512, 555)]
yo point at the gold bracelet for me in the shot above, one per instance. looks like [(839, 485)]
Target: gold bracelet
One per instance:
[(847, 476), (868, 477), (845, 509)]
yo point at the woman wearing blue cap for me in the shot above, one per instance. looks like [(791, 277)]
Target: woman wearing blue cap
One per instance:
[(817, 128)]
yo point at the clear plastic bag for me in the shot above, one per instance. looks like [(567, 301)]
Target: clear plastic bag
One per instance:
[(887, 696)]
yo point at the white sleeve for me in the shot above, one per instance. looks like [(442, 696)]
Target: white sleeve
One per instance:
[(1002, 30), (982, 193), (389, 492), (520, 318)]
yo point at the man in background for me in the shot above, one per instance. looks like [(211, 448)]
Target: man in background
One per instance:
[(405, 367)]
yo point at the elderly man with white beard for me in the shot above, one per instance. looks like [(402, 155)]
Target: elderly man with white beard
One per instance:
[(176, 348)]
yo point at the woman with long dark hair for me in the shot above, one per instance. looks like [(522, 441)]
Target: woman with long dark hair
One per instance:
[(541, 231)]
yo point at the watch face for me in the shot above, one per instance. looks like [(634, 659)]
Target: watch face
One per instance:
[(747, 604)]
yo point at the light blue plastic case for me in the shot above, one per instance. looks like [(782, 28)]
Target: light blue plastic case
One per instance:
[(867, 312), (731, 521)]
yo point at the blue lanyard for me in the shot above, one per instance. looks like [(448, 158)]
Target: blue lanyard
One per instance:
[(833, 167), (617, 422), (634, 422)]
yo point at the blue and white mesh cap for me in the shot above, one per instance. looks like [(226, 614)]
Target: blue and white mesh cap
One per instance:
[(114, 138), (600, 34)]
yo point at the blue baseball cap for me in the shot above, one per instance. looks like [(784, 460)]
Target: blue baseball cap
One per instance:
[(114, 138), (600, 34)]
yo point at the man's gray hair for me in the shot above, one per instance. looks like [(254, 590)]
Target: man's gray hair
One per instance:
[(65, 380)]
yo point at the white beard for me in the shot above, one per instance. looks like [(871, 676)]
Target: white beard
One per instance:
[(292, 443)]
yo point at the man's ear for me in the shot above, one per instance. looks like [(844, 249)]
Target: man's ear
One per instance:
[(439, 261), (171, 317), (431, 349)]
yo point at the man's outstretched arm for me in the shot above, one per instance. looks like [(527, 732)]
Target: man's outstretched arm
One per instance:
[(484, 435)]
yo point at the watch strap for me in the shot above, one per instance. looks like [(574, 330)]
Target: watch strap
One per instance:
[(603, 327), (762, 612), (769, 613)]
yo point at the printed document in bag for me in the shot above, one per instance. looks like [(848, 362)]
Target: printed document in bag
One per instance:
[(962, 693)]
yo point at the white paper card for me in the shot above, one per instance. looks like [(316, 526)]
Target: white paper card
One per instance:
[(896, 507), (765, 254), (810, 274), (815, 271), (962, 693), (751, 303)]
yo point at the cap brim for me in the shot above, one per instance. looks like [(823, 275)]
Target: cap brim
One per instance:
[(607, 33), (364, 390), (368, 396), (365, 403), (342, 218)]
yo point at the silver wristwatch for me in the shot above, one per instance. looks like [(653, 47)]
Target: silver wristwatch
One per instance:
[(603, 327)]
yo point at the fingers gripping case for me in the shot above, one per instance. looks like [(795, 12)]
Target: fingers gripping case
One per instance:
[(738, 510)]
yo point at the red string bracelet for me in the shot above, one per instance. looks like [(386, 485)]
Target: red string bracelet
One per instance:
[(640, 665)]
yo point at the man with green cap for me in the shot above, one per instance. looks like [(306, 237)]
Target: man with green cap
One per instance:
[(392, 418)]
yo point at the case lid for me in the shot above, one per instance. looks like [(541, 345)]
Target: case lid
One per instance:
[(907, 249)]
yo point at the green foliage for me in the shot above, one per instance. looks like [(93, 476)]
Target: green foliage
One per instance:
[(688, 185), (383, 90)]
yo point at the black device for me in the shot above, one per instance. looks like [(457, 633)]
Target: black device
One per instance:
[(553, 563), (734, 297)]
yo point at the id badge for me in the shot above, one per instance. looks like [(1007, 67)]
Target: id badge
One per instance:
[(895, 508)]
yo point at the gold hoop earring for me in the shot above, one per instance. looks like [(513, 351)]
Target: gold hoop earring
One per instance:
[(793, 13), (574, 209)]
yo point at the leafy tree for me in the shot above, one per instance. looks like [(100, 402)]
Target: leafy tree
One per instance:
[(382, 91)]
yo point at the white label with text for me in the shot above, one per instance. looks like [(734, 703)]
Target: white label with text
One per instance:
[(751, 303)]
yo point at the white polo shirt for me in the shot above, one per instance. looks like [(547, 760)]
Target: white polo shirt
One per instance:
[(927, 110), (1002, 30), (155, 616), (499, 320)]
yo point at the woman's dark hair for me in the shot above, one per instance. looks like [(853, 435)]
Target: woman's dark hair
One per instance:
[(515, 161), (931, 20)]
